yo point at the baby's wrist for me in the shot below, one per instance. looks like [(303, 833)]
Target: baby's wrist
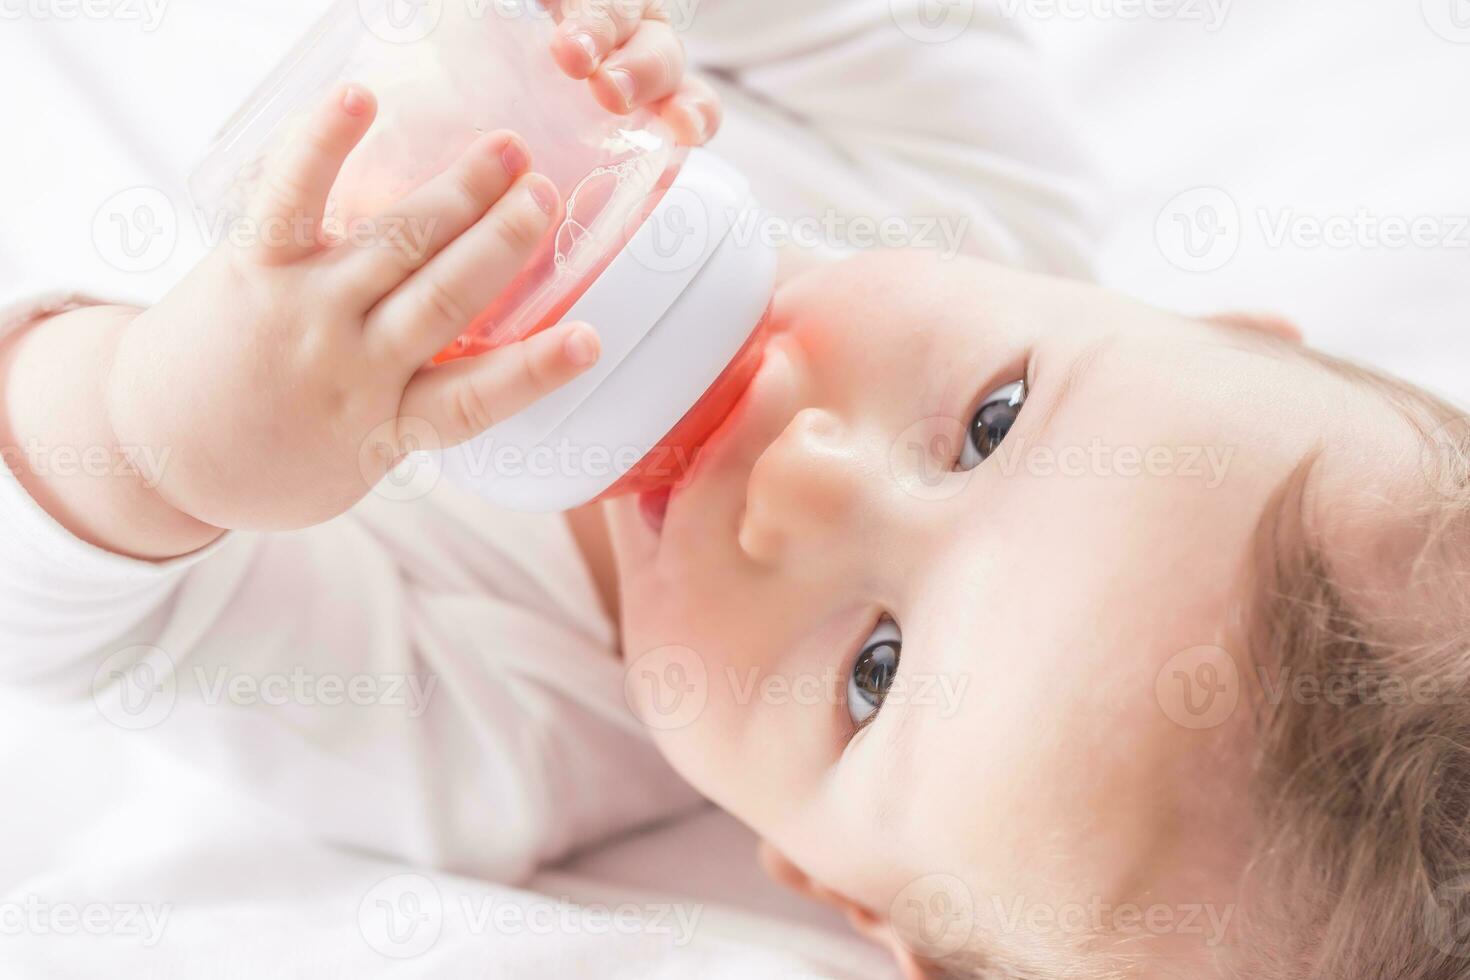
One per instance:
[(171, 530)]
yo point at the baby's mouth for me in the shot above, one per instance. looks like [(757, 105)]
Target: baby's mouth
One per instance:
[(671, 465), (654, 505)]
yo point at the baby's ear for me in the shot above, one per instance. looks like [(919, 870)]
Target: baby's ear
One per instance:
[(1267, 323), (863, 919)]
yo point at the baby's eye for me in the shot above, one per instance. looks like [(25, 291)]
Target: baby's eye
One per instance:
[(873, 671), (994, 418)]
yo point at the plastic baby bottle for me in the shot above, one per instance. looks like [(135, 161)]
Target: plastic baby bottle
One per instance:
[(649, 248)]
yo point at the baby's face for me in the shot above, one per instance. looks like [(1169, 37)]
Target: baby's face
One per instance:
[(917, 609)]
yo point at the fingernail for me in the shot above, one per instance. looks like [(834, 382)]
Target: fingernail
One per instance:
[(544, 194), (623, 82), (354, 101), (587, 43), (582, 346), (515, 158)]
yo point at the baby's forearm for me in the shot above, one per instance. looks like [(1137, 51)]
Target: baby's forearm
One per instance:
[(56, 436)]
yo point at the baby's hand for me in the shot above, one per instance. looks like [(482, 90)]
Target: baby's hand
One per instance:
[(628, 51), (267, 371)]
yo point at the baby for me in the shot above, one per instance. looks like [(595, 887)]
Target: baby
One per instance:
[(1202, 728), (1043, 633)]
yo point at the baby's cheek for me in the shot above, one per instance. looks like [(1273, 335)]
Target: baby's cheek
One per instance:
[(687, 707)]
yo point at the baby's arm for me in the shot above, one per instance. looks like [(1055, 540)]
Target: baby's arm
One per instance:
[(257, 381)]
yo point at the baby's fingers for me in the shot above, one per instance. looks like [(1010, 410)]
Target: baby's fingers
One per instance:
[(463, 398), (693, 112), (289, 208), (436, 214), (434, 305), (648, 67), (590, 30)]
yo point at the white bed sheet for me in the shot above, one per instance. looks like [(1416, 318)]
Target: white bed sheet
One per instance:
[(1312, 110), (187, 878), (1322, 107)]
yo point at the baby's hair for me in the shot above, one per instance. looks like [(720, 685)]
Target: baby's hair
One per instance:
[(1361, 867)]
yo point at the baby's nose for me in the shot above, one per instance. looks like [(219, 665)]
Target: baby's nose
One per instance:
[(802, 490)]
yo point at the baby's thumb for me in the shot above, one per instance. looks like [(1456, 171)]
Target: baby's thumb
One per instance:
[(463, 398)]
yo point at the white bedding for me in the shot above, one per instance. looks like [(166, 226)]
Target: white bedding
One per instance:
[(1323, 107), (1310, 110)]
